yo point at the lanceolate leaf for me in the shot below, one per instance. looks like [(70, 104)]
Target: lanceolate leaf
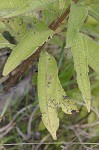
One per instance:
[(27, 46), (76, 19), (83, 49), (19, 7), (51, 94), (46, 77), (79, 51)]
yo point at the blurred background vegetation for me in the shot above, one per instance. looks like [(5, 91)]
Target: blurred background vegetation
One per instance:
[(22, 121)]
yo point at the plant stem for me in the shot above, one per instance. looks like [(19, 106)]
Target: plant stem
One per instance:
[(22, 67)]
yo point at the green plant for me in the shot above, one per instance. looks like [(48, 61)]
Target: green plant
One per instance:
[(31, 31)]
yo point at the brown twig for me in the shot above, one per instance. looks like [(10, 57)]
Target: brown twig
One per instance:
[(22, 68)]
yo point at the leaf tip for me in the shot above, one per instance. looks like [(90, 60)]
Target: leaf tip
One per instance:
[(54, 136), (4, 73), (88, 105)]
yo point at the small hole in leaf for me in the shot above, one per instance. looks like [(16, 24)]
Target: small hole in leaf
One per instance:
[(73, 111), (65, 97)]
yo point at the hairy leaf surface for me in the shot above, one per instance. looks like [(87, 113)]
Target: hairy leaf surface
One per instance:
[(76, 19), (51, 94), (27, 46), (80, 51)]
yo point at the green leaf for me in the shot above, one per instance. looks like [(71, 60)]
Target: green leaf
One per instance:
[(5, 43), (61, 4), (51, 12), (93, 53), (4, 5), (2, 27), (13, 5), (20, 7), (80, 51), (51, 94), (17, 27), (65, 103), (94, 11), (46, 77), (27, 46), (91, 30), (76, 19)]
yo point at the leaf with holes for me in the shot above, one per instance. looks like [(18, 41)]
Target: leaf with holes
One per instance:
[(51, 94), (27, 46), (80, 51)]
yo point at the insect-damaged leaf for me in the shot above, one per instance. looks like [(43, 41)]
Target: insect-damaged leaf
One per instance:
[(76, 19), (27, 46), (80, 51), (51, 94), (17, 27), (46, 72)]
